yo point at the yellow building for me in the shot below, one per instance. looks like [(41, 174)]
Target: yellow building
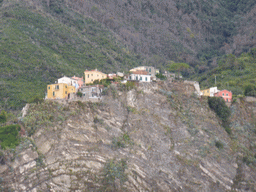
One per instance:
[(93, 75), (60, 91), (205, 92)]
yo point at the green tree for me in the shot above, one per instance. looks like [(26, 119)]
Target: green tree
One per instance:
[(178, 67)]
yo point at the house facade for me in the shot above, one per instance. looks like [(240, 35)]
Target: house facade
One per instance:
[(225, 94), (150, 70), (93, 75), (80, 80), (91, 92), (69, 81), (209, 92), (60, 91), (140, 76)]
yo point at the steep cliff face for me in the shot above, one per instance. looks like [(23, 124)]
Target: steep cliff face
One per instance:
[(157, 137)]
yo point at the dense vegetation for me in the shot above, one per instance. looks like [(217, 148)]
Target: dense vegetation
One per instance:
[(43, 40), (218, 105), (37, 48), (236, 74), (9, 136)]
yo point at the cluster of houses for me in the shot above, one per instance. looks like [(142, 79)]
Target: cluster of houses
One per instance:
[(214, 92), (69, 87)]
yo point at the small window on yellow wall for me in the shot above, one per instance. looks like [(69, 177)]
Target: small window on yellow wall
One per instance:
[(66, 92), (53, 93), (49, 87), (66, 86), (91, 74), (88, 76)]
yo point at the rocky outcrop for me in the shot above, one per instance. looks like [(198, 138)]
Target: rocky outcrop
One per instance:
[(157, 137)]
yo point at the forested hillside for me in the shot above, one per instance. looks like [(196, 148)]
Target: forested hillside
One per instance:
[(36, 48), (42, 40)]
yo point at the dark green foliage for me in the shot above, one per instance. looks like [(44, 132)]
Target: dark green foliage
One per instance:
[(130, 85), (114, 169), (250, 90), (79, 94), (36, 99), (222, 111), (98, 120), (9, 136), (120, 142), (218, 105), (3, 117), (161, 76), (219, 144)]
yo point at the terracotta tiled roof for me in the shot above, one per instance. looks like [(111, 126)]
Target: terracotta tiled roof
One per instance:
[(140, 72)]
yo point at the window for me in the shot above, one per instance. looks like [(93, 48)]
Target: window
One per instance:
[(66, 86), (222, 94), (146, 79), (227, 100), (91, 80), (130, 77), (88, 75), (227, 94), (98, 75), (149, 69), (136, 77), (57, 87), (53, 93), (146, 69), (49, 87), (141, 78), (91, 74), (66, 92), (208, 91)]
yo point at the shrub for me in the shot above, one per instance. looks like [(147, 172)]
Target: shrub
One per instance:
[(9, 136), (36, 99), (221, 109), (219, 106), (79, 94), (250, 90), (114, 170), (3, 117), (219, 144), (130, 85), (161, 76)]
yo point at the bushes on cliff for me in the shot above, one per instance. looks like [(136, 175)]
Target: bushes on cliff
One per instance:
[(9, 136), (222, 111), (114, 175)]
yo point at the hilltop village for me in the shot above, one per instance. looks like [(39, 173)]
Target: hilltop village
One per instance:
[(91, 86)]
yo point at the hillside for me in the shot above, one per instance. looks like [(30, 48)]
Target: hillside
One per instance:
[(232, 73), (43, 40), (36, 48), (156, 137)]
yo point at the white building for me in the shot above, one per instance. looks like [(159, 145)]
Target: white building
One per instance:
[(139, 77), (69, 81)]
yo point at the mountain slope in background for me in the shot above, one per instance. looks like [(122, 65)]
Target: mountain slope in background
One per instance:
[(37, 48), (42, 40)]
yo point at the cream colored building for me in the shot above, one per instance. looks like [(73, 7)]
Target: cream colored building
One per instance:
[(60, 91), (93, 75)]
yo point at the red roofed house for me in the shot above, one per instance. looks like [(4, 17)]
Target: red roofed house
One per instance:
[(225, 94)]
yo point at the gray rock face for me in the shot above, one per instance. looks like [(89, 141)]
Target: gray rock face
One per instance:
[(159, 137)]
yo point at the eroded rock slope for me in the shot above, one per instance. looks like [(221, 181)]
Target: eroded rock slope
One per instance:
[(156, 137)]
